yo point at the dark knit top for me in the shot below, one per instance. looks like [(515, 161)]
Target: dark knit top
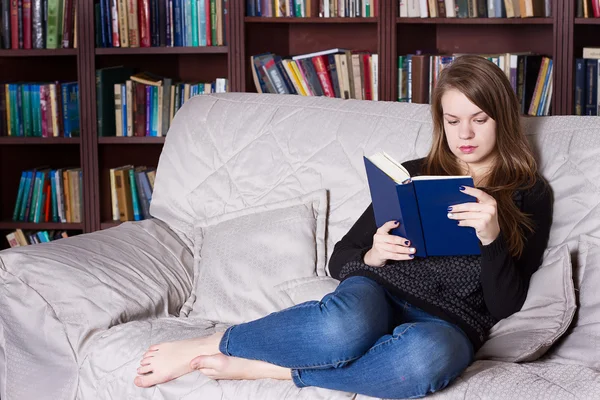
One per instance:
[(473, 292)]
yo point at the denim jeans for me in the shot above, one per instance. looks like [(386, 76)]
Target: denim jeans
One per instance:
[(357, 339)]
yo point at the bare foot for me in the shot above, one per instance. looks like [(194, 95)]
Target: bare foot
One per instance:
[(166, 361), (220, 366)]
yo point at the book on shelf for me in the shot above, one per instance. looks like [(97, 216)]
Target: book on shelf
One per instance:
[(39, 109), (131, 192), (420, 205), (474, 8), (19, 237), (340, 73), (530, 76), (304, 8), (587, 82), (143, 104), (38, 24), (587, 9), (160, 23), (49, 195)]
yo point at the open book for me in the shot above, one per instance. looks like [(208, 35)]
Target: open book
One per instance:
[(420, 204)]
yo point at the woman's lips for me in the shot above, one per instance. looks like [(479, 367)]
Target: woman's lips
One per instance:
[(467, 149)]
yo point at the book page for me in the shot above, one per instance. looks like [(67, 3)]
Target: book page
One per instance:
[(438, 177), (390, 167)]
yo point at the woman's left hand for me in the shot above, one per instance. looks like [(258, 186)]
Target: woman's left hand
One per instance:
[(482, 215)]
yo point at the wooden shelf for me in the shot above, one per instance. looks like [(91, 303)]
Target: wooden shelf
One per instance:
[(37, 52), (41, 226), (162, 50), (587, 21), (109, 224), (476, 21), (311, 20), (11, 140), (131, 140)]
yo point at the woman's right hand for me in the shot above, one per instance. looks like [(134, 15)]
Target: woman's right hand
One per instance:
[(388, 247)]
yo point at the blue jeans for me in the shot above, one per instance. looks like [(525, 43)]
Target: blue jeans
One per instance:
[(357, 339)]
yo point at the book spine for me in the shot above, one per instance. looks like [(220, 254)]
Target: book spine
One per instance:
[(20, 196), (5, 20), (144, 22), (137, 215)]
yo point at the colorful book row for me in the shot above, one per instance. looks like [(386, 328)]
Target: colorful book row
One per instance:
[(142, 104), (50, 195), (156, 23), (475, 8), (39, 109), (588, 9), (303, 8), (20, 238), (333, 73), (131, 192), (530, 76), (38, 24)]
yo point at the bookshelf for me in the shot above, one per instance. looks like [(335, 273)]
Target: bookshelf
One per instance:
[(561, 36)]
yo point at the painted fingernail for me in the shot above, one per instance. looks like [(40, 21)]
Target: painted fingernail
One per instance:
[(396, 222), (450, 208), (457, 222), (406, 242), (461, 188), (412, 256), (412, 250), (450, 215)]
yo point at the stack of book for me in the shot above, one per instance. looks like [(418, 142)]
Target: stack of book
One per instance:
[(20, 238), (39, 109), (333, 73), (530, 76), (475, 8), (142, 104), (587, 82), (156, 23), (131, 192), (38, 24), (50, 195)]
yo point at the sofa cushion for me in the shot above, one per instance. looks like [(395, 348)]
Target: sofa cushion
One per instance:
[(582, 343), (301, 290), (240, 257), (546, 314)]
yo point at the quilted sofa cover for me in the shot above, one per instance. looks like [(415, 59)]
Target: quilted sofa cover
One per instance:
[(84, 335)]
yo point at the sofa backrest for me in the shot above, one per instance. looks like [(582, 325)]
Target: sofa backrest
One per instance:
[(230, 151)]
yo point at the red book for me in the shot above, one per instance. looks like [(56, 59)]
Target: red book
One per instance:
[(14, 24), (367, 76), (144, 22), (320, 63), (48, 191), (27, 24), (208, 23)]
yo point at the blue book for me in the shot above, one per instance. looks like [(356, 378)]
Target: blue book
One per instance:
[(420, 204)]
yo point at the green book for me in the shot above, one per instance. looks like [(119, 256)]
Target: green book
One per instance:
[(137, 214), (53, 24), (194, 6), (27, 120), (105, 97)]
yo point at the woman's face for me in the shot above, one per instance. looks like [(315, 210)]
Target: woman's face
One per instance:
[(470, 133)]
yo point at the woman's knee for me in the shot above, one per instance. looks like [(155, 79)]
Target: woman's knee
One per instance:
[(356, 315)]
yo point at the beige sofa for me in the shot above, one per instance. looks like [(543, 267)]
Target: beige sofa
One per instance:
[(77, 314)]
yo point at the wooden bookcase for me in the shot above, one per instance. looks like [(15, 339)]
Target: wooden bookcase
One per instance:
[(562, 37)]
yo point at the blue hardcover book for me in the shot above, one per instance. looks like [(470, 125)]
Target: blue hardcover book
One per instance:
[(420, 204)]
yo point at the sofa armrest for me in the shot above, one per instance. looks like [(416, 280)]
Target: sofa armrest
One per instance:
[(91, 282)]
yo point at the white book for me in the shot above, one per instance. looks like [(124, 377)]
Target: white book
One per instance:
[(318, 53)]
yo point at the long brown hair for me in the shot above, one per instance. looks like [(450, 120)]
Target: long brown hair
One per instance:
[(514, 167)]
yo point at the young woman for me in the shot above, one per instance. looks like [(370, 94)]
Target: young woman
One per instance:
[(399, 326)]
